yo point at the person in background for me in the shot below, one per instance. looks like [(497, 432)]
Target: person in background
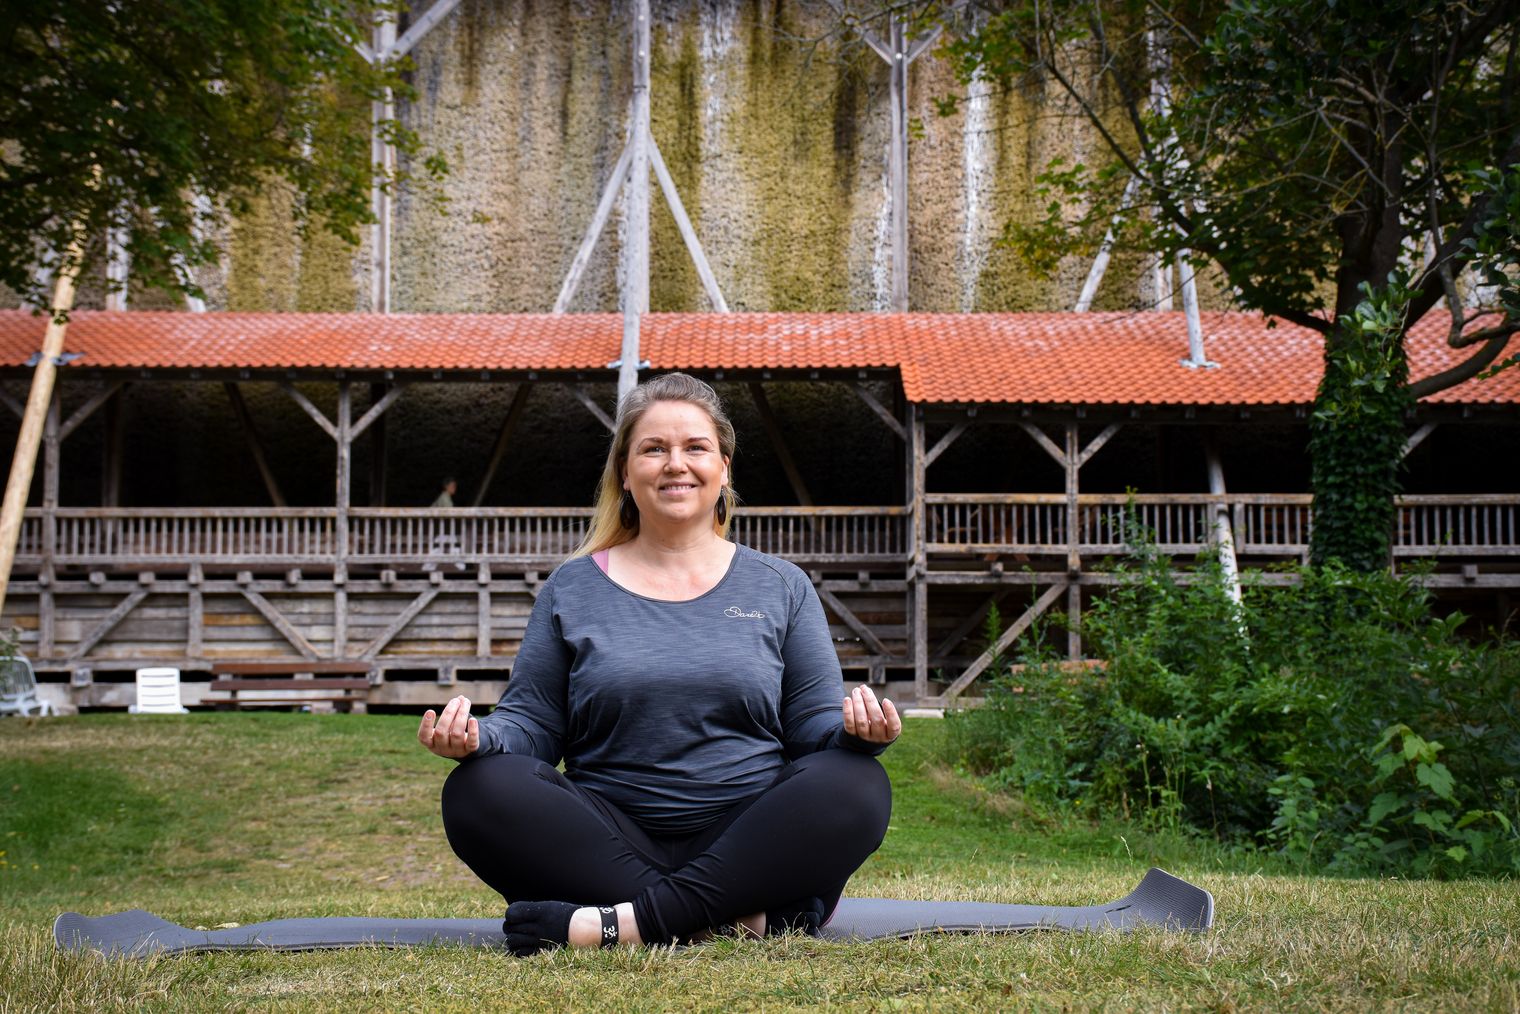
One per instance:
[(446, 542), (715, 772)]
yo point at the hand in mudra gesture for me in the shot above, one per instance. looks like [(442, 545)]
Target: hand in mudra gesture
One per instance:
[(869, 720), (454, 733)]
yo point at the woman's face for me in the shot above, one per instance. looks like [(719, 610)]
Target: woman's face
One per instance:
[(674, 467)]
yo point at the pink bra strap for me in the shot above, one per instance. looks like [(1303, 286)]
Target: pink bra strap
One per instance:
[(600, 557)]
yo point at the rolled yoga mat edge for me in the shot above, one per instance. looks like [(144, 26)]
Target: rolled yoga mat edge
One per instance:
[(1161, 901)]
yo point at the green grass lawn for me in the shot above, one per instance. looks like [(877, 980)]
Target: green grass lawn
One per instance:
[(211, 819)]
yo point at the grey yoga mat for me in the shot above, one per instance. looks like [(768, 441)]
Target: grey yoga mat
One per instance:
[(1161, 900)]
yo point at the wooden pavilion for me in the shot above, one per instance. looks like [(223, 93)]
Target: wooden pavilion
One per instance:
[(98, 591)]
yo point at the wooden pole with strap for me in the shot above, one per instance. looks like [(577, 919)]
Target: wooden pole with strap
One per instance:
[(24, 461)]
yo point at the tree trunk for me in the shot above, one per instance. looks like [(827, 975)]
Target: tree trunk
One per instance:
[(1356, 436)]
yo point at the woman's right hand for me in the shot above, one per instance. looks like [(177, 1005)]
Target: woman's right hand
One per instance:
[(453, 734)]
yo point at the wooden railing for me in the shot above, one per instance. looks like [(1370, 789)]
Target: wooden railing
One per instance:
[(1264, 524), (822, 535), (1273, 525)]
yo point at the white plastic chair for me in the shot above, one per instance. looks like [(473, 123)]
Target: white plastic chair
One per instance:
[(18, 689), (158, 692)]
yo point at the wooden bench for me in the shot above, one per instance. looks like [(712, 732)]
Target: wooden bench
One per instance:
[(323, 685)]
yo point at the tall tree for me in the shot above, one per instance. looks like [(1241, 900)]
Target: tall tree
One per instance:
[(154, 118), (160, 116), (1343, 162)]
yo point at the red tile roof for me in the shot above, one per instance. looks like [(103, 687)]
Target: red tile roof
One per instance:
[(1019, 358)]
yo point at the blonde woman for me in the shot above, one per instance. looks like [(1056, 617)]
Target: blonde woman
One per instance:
[(712, 775)]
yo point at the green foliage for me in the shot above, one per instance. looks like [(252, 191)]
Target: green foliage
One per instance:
[(1307, 147), (1356, 433), (1335, 720), (122, 114)]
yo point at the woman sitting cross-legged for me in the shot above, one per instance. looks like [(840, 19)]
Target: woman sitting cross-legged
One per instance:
[(712, 775)]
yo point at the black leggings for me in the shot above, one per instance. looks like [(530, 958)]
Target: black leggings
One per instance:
[(533, 835)]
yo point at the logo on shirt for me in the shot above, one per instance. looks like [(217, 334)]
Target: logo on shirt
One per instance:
[(737, 613)]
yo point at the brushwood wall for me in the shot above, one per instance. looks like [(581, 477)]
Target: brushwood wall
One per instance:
[(773, 118)]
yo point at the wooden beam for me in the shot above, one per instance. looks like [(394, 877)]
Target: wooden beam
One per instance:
[(923, 42), (11, 402), (943, 443), (594, 231), (83, 412), (1073, 540), (310, 409), (255, 446), (1098, 442), (579, 391), (852, 621), (1014, 630), (376, 410), (424, 24), (395, 627), (1417, 438), (106, 625), (1045, 442), (1196, 357), (503, 438), (897, 162), (278, 621), (688, 234), (970, 623), (383, 156), (118, 265), (881, 411), (868, 36), (1100, 261), (778, 443)]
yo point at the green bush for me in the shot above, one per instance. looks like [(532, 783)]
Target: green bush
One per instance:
[(1334, 719)]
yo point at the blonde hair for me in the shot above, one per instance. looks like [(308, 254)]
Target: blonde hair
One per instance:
[(606, 529)]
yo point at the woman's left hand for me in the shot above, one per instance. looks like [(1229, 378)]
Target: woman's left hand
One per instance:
[(869, 720)]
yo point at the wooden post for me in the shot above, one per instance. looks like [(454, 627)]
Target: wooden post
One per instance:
[(345, 444), (379, 445), (24, 460), (483, 616), (113, 449), (897, 161), (636, 253), (1224, 535), (920, 571), (117, 266), (898, 54), (255, 446), (383, 155), (1196, 358), (1073, 538), (195, 646)]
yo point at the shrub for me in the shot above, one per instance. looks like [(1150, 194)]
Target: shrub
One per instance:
[(1333, 718)]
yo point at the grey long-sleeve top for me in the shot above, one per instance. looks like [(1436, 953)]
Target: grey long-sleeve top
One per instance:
[(674, 711)]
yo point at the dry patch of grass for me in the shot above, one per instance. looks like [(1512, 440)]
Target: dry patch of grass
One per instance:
[(221, 818)]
